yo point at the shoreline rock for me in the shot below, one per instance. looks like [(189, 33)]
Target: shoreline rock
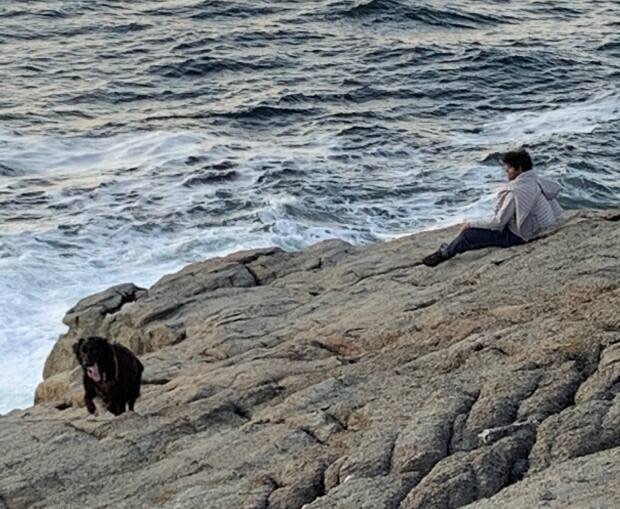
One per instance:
[(345, 377)]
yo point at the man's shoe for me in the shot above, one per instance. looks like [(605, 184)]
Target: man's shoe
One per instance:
[(434, 259)]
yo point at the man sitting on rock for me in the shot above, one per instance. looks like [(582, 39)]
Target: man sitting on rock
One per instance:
[(525, 207)]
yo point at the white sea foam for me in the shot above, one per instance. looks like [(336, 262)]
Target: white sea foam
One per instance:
[(529, 126), (38, 154)]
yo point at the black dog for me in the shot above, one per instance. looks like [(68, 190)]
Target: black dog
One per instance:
[(111, 372)]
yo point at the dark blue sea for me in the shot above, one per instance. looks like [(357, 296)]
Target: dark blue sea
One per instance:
[(136, 137)]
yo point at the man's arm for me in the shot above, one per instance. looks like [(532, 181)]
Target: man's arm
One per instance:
[(502, 216)]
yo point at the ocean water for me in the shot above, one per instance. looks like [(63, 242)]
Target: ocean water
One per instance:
[(136, 137)]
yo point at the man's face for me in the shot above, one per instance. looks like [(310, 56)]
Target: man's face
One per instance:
[(512, 172)]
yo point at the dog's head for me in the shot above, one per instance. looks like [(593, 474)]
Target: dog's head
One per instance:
[(95, 356)]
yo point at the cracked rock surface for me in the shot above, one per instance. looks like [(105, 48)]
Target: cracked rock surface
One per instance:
[(345, 377)]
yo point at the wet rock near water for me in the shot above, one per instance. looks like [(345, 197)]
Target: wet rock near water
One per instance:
[(345, 377)]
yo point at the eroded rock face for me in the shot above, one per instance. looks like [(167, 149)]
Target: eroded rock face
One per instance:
[(345, 377)]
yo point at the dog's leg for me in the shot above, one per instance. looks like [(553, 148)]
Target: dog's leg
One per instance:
[(89, 394), (90, 405), (116, 408)]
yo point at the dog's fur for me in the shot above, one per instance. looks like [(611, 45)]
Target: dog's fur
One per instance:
[(111, 372)]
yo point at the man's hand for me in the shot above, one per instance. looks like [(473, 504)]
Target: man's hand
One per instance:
[(464, 226)]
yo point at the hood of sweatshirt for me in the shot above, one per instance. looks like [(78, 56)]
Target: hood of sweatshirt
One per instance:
[(549, 188)]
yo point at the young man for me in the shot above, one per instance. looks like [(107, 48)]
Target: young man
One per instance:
[(525, 206)]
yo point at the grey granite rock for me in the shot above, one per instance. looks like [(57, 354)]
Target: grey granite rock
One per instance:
[(345, 377)]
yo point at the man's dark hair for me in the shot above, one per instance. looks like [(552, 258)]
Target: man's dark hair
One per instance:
[(518, 159)]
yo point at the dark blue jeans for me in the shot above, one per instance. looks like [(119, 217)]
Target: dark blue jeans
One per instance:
[(478, 238)]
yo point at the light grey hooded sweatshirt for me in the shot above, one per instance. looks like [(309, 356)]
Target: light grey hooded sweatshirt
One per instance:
[(527, 205)]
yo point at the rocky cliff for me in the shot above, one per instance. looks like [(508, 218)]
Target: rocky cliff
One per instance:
[(345, 377)]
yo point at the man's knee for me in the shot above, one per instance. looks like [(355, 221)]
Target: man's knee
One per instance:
[(474, 232), (475, 238), (471, 235)]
